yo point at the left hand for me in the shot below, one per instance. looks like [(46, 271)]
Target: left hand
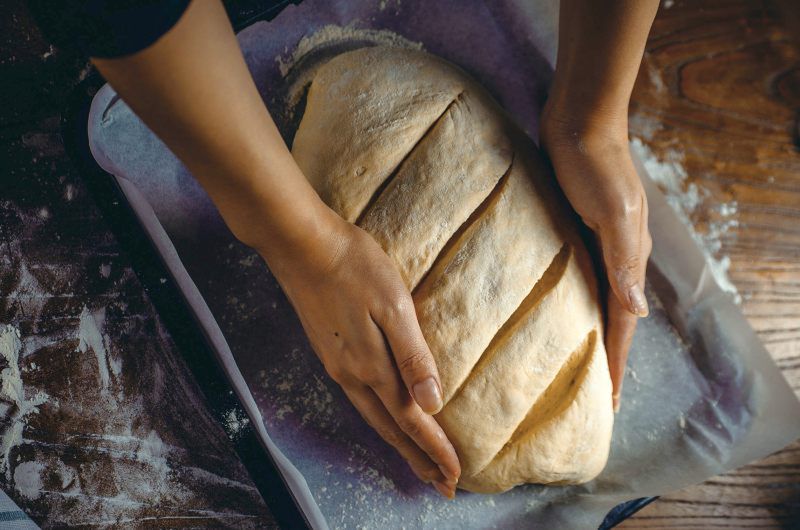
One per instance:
[(593, 165)]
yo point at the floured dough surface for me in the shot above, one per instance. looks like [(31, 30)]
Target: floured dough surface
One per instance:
[(415, 152)]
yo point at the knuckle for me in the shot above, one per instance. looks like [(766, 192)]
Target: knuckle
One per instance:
[(414, 363), (627, 267), (628, 208), (370, 377), (369, 421), (628, 212), (423, 472), (410, 426), (336, 373), (340, 374), (397, 306), (429, 473), (393, 437), (334, 370)]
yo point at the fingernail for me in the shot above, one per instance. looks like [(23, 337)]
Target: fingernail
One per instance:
[(428, 395), (449, 475), (638, 301), (444, 490)]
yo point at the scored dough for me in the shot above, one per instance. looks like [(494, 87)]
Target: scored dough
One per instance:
[(416, 153), (459, 322), (368, 119), (434, 192)]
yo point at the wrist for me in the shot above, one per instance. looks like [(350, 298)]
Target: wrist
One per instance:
[(587, 101), (306, 244), (563, 121)]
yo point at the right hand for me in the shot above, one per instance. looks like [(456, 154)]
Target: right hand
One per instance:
[(590, 154), (361, 322)]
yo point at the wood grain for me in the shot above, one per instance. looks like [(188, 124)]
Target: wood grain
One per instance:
[(720, 84)]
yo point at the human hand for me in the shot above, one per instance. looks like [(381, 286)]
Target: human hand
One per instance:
[(593, 165), (361, 322)]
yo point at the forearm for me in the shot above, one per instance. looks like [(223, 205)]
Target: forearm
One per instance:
[(600, 47), (193, 89)]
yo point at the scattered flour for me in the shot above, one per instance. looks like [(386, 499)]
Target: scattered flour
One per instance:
[(249, 261), (29, 296), (14, 408), (153, 452), (686, 198), (235, 421), (69, 192), (28, 479), (90, 337), (634, 375), (383, 5), (655, 78), (143, 477)]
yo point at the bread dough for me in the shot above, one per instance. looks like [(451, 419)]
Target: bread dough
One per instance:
[(415, 152), (434, 192)]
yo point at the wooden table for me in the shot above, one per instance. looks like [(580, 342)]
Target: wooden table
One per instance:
[(720, 85), (124, 436)]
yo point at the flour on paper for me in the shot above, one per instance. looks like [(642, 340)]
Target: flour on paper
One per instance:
[(305, 398)]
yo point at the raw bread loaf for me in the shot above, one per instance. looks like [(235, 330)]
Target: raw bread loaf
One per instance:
[(412, 150)]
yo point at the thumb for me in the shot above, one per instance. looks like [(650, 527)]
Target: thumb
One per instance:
[(411, 353), (626, 245)]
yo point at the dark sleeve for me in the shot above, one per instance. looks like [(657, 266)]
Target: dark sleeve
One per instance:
[(106, 28)]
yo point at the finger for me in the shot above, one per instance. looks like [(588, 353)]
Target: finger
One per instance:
[(376, 415), (624, 245), (382, 377), (619, 334), (419, 426), (411, 353)]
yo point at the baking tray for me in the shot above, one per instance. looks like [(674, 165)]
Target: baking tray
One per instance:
[(181, 322)]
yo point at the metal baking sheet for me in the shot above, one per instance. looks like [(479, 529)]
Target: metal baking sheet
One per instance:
[(701, 395)]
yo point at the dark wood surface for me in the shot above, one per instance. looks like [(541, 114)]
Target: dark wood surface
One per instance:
[(720, 85), (124, 437)]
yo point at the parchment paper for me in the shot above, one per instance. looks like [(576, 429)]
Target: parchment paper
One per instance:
[(701, 394)]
